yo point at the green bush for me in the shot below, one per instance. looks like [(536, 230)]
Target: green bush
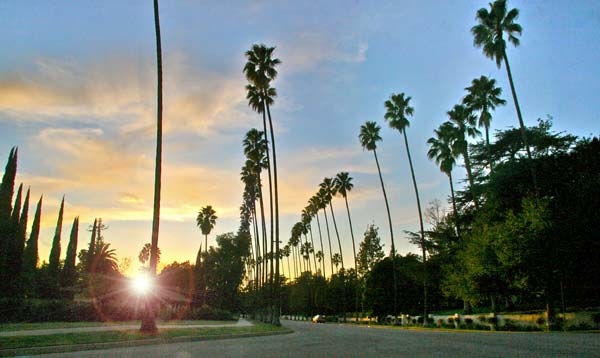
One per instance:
[(468, 321), (583, 326), (208, 313), (596, 318)]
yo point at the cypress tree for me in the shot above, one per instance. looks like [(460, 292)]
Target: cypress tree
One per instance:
[(7, 289), (30, 255), (54, 260), (17, 264), (68, 274), (92, 247), (6, 194)]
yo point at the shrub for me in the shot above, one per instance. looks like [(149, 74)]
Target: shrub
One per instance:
[(583, 326), (440, 322), (450, 320), (596, 318), (468, 321)]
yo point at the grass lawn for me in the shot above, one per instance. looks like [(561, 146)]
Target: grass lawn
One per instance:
[(6, 327), (131, 335)]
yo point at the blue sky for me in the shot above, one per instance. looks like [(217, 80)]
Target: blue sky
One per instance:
[(77, 95)]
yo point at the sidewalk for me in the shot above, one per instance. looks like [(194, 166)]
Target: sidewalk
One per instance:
[(43, 332)]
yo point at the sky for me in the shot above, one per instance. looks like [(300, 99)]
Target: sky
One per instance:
[(78, 97)]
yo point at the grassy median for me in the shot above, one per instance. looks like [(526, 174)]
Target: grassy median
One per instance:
[(69, 339)]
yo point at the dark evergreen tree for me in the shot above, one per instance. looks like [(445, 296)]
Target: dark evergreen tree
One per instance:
[(6, 289), (6, 195), (30, 256), (54, 260), (68, 274), (91, 247)]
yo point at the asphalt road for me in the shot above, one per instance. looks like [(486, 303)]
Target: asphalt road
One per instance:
[(332, 340)]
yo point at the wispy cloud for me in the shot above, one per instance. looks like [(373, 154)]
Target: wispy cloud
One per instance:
[(308, 49)]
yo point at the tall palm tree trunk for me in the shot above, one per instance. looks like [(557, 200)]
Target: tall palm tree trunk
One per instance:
[(329, 239), (354, 252), (342, 262), (470, 176), (337, 234), (289, 268), (489, 149), (277, 283), (257, 246), (521, 123), (393, 253), (454, 203), (321, 239), (268, 274), (414, 180), (294, 260), (148, 324), (312, 242), (264, 232)]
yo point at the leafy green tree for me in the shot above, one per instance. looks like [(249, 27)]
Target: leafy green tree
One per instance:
[(369, 136), (483, 96), (370, 251), (68, 275), (54, 260), (225, 270), (489, 35)]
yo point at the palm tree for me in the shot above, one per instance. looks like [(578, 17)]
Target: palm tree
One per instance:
[(322, 200), (206, 221), (343, 185), (397, 111), (105, 259), (369, 136), (441, 151), (148, 324), (484, 96), (256, 150), (489, 34), (260, 71), (463, 125), (313, 208), (305, 220), (330, 190)]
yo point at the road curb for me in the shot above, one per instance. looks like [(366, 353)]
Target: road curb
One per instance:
[(124, 344)]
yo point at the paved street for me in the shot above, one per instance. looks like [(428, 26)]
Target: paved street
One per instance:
[(330, 340)]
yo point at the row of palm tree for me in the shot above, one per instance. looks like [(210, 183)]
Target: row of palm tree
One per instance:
[(451, 138), (260, 71)]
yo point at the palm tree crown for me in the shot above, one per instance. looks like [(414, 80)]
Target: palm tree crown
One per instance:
[(260, 68), (206, 219), (441, 148), (369, 135), (483, 96), (493, 24), (397, 111), (343, 183)]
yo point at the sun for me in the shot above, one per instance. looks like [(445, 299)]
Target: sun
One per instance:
[(141, 284)]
